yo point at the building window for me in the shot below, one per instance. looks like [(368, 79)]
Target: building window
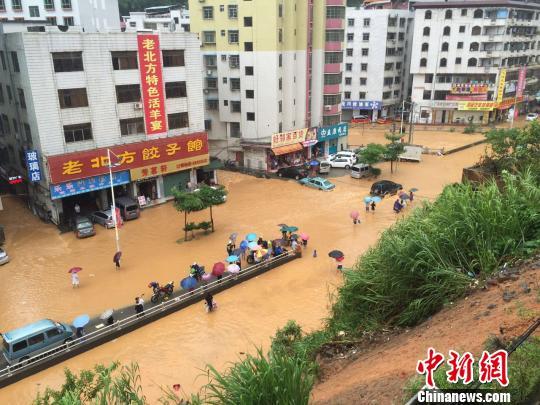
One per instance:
[(236, 106), (362, 95), (208, 13), (444, 47), (425, 47), (207, 125), (250, 116), (387, 95), (388, 66), (333, 99), (426, 31), (423, 62), (2, 99), (388, 81), (249, 70), (460, 45), (49, 4), (280, 35), (248, 46), (474, 47), (69, 21), (22, 100), (78, 132), (211, 83), (367, 22), (67, 61), (128, 93), (210, 61), (348, 81), (448, 15), (15, 62), (347, 95), (9, 94), (73, 98), (365, 36), (349, 51), (280, 83), (16, 5), (51, 20), (363, 67), (222, 33), (233, 37), (175, 89), (446, 31), (66, 4), (124, 60), (235, 84), (250, 94), (280, 60), (212, 104), (365, 51), (350, 22), (335, 12), (333, 57), (476, 30), (472, 62), (233, 11), (132, 126), (478, 13), (332, 78), (209, 37), (426, 95), (348, 67), (350, 36), (234, 61), (2, 8), (464, 12), (34, 11), (442, 62), (178, 120), (280, 10), (461, 29), (173, 58), (222, 8), (234, 129), (363, 81), (248, 21), (427, 15), (280, 106), (397, 79), (458, 61)]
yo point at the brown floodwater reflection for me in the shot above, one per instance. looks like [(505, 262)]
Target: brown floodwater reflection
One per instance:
[(175, 349)]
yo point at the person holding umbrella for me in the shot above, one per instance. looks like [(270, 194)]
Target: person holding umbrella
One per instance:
[(209, 298), (373, 205), (139, 306), (338, 256), (116, 259), (75, 282), (355, 214)]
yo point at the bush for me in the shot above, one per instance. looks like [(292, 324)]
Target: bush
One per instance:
[(423, 261), (470, 129), (375, 171), (452, 129), (205, 226)]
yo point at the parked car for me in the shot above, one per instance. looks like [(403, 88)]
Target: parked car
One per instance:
[(324, 167), (104, 218), (129, 208), (385, 187), (341, 162), (317, 182), (4, 258), (343, 154), (360, 170), (293, 172), (83, 227), (532, 116), (20, 344)]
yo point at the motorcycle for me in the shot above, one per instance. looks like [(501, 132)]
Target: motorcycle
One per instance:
[(161, 292), (197, 272)]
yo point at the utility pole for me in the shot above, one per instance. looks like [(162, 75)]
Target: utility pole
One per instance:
[(411, 113), (402, 112)]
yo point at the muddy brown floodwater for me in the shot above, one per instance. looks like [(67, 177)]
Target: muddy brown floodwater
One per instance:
[(175, 349)]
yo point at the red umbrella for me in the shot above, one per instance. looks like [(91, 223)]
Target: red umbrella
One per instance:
[(304, 236), (218, 269), (75, 270), (340, 259), (354, 214)]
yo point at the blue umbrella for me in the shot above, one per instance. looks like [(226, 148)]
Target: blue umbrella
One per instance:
[(81, 321), (250, 237), (244, 245), (376, 199), (237, 252), (253, 245), (314, 163), (188, 282), (232, 259), (367, 199)]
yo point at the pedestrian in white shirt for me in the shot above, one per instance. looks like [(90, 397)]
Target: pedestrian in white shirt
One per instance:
[(75, 280)]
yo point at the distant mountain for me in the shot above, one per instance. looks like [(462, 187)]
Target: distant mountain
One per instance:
[(126, 6)]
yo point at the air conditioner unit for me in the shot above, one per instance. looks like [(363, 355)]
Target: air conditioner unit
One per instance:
[(206, 91), (137, 106), (327, 107), (209, 73)]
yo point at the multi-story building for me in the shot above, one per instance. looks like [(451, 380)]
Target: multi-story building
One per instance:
[(92, 16), (163, 18), (467, 58), (270, 67), (376, 74), (69, 97)]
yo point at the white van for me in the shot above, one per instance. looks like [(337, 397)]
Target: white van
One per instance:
[(360, 170), (324, 167)]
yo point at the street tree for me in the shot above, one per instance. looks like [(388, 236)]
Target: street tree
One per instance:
[(393, 149), (211, 196), (187, 203), (371, 154)]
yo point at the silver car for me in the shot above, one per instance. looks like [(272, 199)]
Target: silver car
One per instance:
[(4, 258), (103, 218)]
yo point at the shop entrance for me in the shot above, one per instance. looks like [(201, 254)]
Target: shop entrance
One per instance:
[(332, 147), (85, 203), (205, 177), (148, 188)]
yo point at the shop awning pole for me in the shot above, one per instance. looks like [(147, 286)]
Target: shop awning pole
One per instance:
[(113, 202)]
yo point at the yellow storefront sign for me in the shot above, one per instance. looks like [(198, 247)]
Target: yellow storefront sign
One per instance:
[(477, 105), (502, 82), (169, 167)]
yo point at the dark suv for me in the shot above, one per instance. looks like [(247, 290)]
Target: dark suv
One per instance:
[(293, 172), (385, 187)]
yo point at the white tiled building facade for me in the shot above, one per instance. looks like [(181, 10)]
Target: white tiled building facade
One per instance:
[(167, 18), (463, 43), (377, 59), (80, 91), (91, 15)]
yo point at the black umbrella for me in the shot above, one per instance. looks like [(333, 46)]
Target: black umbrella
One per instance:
[(336, 254), (282, 225), (117, 256)]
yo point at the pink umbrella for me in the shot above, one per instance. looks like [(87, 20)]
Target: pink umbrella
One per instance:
[(304, 236), (233, 268), (206, 276), (75, 270), (218, 269), (354, 214)]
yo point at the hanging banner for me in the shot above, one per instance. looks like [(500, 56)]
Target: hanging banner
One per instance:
[(520, 88), (500, 89), (153, 99), (477, 105), (288, 138)]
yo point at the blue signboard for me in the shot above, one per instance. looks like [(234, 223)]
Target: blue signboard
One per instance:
[(332, 132), (361, 105), (89, 184), (32, 162)]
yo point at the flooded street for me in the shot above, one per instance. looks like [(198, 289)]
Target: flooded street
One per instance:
[(175, 349)]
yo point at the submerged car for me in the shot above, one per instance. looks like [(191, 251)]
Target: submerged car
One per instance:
[(318, 182), (4, 258), (293, 172), (532, 116), (385, 187), (83, 227), (103, 218)]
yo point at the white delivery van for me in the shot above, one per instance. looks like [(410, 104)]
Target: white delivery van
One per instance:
[(324, 167), (412, 152), (360, 170)]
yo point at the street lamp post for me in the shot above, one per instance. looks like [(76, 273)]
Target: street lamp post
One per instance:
[(402, 112), (113, 200)]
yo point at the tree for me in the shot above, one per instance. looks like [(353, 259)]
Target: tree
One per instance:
[(211, 196), (393, 149), (371, 154), (187, 203)]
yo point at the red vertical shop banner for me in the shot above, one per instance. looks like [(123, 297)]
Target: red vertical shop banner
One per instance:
[(520, 88), (153, 99)]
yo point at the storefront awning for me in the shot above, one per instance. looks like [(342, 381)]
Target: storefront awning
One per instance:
[(282, 150)]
